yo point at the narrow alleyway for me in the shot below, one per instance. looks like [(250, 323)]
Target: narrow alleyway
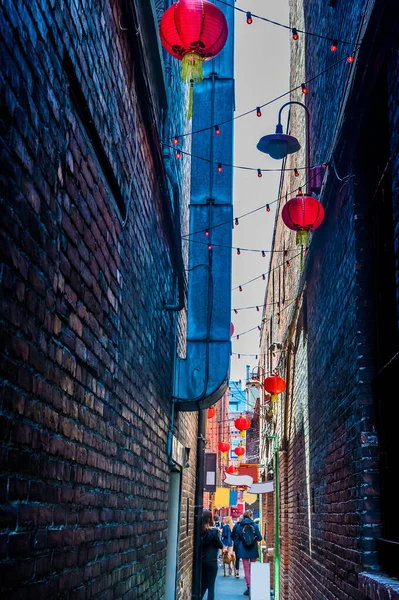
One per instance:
[(230, 588)]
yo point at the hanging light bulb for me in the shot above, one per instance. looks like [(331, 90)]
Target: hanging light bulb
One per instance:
[(334, 46), (267, 208), (238, 337), (295, 34), (299, 192), (220, 168), (236, 222), (258, 111), (263, 276), (351, 59), (239, 355), (236, 311), (209, 247), (175, 141), (238, 251), (304, 88), (288, 263), (257, 309), (177, 153), (249, 18), (263, 254), (217, 130), (259, 173), (240, 288), (207, 233), (296, 172)]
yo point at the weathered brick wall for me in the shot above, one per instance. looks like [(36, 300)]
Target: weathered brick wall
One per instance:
[(86, 346), (330, 514)]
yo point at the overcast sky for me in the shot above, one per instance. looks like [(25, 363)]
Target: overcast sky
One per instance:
[(261, 73)]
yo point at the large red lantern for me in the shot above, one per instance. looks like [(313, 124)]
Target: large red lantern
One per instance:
[(193, 31), (242, 424), (231, 469), (274, 385), (211, 412), (303, 214)]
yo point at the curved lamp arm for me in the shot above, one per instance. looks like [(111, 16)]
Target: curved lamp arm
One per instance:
[(279, 129)]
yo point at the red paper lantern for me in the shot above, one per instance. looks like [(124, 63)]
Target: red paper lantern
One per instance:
[(242, 424), (303, 214), (211, 412), (224, 447), (193, 31), (274, 385), (239, 451), (231, 469)]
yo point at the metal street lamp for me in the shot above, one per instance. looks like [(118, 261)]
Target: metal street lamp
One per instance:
[(278, 145)]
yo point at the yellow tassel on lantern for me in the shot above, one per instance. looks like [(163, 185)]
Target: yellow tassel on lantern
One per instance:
[(192, 68), (191, 73), (302, 237), (242, 433)]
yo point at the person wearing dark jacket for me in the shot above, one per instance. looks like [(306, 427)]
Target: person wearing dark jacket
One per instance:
[(210, 546), (248, 552), (236, 543)]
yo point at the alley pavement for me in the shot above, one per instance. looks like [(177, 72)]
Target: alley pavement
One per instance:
[(230, 588)]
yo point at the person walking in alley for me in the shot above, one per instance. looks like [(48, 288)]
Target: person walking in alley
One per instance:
[(226, 534), (249, 536), (211, 543), (236, 542)]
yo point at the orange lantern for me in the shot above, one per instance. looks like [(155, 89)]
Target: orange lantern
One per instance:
[(211, 412), (242, 424)]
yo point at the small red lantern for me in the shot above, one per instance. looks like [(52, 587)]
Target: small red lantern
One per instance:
[(239, 451), (224, 447), (303, 214), (193, 31), (274, 385), (231, 469), (242, 424), (211, 412)]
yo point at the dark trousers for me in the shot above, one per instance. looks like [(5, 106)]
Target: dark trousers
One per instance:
[(237, 557), (209, 573)]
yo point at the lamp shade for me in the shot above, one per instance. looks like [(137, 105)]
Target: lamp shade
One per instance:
[(303, 214), (278, 145)]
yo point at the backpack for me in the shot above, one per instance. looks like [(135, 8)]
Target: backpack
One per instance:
[(248, 535)]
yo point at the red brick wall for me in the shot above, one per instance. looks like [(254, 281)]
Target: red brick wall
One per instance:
[(86, 346)]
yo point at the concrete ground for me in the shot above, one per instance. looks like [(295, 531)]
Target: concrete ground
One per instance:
[(230, 588)]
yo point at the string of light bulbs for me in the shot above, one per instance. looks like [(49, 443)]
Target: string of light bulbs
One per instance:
[(267, 206), (295, 30), (350, 58), (239, 250), (259, 306), (259, 327), (221, 165), (263, 275)]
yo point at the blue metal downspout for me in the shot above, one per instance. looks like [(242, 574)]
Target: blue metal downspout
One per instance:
[(202, 376)]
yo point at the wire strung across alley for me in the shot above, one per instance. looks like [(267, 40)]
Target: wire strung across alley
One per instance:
[(255, 110)]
